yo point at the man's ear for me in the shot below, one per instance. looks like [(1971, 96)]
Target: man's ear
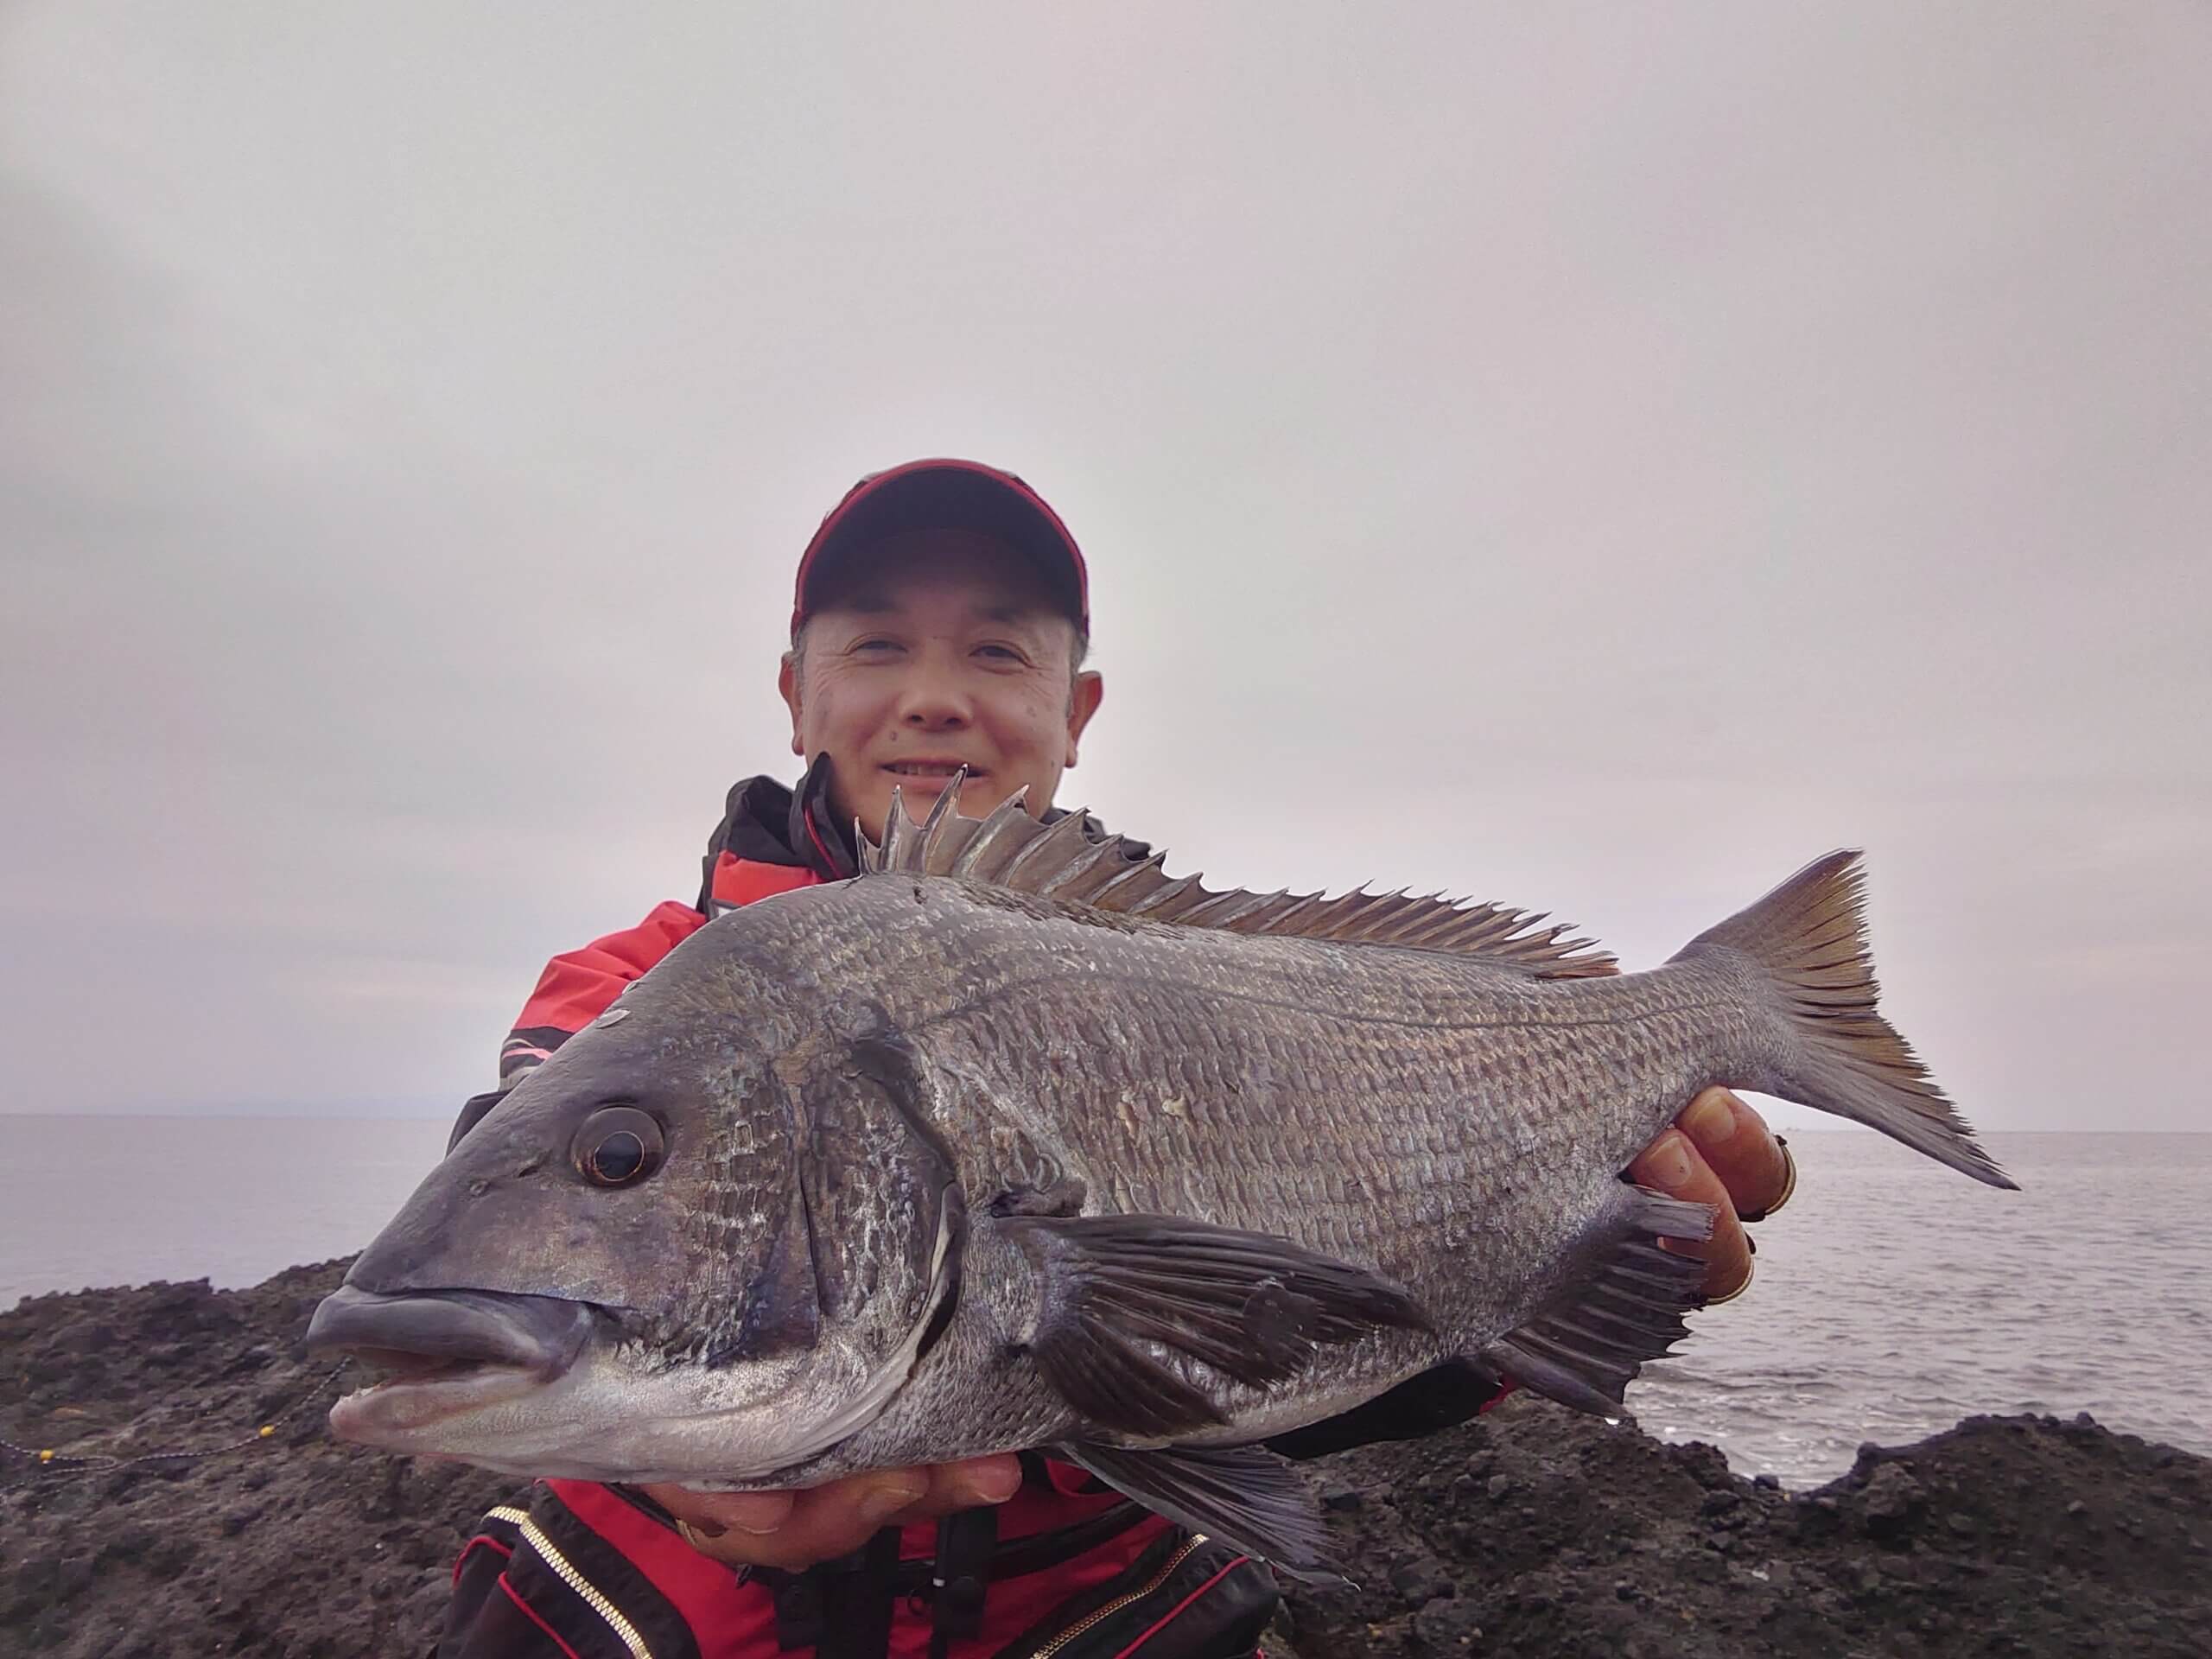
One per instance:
[(787, 687), (1084, 698)]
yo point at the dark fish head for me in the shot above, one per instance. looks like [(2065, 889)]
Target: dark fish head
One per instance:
[(708, 1239)]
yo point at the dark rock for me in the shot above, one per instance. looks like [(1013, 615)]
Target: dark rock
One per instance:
[(1626, 1545), (1534, 1532), (1446, 1627), (1892, 1500), (1421, 1581)]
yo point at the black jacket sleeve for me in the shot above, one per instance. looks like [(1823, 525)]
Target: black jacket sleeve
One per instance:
[(1441, 1397)]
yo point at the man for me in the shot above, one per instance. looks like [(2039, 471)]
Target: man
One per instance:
[(940, 623)]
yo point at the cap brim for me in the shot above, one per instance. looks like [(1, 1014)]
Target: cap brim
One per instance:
[(949, 495)]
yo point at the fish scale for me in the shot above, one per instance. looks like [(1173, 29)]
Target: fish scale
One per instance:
[(1016, 1141)]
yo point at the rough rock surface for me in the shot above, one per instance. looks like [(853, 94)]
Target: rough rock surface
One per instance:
[(1533, 1533)]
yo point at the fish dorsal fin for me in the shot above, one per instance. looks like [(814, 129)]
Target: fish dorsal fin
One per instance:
[(1012, 850)]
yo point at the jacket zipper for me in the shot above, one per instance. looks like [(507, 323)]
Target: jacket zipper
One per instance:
[(1119, 1602), (565, 1570)]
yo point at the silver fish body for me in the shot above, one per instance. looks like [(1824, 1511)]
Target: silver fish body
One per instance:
[(1014, 1143)]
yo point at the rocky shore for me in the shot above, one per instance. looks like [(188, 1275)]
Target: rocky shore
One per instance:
[(1533, 1534)]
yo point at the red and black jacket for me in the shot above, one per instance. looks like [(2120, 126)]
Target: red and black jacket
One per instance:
[(1065, 1567)]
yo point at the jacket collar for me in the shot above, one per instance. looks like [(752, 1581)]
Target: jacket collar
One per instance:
[(767, 822)]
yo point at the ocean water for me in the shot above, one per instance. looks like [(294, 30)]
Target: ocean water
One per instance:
[(1893, 1297)]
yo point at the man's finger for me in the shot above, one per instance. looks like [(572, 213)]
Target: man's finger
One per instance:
[(1671, 1165), (754, 1514), (969, 1484), (797, 1529), (1737, 1144), (817, 1524)]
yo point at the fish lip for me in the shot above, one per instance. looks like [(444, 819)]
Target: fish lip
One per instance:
[(394, 1412), (479, 1348), (539, 1335)]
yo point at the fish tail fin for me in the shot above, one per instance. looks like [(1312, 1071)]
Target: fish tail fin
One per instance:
[(1806, 944)]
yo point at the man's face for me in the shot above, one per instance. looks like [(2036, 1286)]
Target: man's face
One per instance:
[(933, 650)]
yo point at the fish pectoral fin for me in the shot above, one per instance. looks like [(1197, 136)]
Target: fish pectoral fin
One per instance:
[(1253, 1306), (1244, 1496), (1590, 1341)]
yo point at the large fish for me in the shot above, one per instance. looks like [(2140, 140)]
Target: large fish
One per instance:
[(1015, 1141)]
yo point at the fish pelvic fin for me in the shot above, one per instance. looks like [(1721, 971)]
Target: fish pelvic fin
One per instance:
[(1061, 860), (1242, 1495), (1805, 947), (1590, 1338)]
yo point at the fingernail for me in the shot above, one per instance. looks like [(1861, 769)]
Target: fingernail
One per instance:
[(1712, 1120), (995, 1490), (1670, 1160), (885, 1501), (758, 1514)]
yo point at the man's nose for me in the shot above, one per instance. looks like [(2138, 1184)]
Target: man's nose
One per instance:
[(934, 701)]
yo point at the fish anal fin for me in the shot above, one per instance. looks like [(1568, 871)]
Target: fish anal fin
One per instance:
[(1119, 1297), (1244, 1496), (1060, 860), (1589, 1340)]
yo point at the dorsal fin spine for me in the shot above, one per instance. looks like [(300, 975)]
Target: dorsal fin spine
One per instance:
[(1283, 918), (1043, 850), (1133, 876), (933, 827), (1072, 880), (980, 858), (1165, 898), (895, 827), (1060, 861)]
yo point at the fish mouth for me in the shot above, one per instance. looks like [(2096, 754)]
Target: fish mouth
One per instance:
[(447, 1351)]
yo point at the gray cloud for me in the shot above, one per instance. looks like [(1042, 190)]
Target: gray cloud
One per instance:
[(1591, 462)]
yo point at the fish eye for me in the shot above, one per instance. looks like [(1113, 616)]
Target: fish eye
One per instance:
[(618, 1145)]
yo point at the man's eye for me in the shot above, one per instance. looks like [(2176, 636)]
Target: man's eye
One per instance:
[(999, 653), (876, 645)]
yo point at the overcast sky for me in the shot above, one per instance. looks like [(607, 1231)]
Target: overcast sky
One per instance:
[(1592, 457)]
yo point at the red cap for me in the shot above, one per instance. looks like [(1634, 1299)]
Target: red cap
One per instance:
[(952, 495)]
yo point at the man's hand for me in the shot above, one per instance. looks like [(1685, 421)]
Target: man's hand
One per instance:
[(797, 1529), (1721, 1152)]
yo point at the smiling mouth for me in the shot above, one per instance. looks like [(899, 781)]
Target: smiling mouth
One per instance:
[(933, 771)]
